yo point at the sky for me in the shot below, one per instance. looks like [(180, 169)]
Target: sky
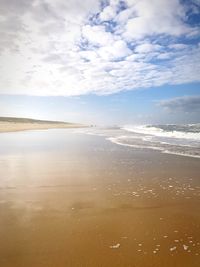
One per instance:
[(101, 62)]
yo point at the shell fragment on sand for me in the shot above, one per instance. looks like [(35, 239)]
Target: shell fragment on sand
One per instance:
[(115, 246), (185, 247)]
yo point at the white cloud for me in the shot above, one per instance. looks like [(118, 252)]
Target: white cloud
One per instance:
[(76, 47), (97, 35), (178, 46), (147, 48), (124, 15), (108, 13), (117, 50), (155, 17)]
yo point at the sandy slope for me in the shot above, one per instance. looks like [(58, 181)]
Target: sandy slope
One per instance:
[(21, 126)]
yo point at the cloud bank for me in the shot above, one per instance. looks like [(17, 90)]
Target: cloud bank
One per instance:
[(189, 104), (77, 47)]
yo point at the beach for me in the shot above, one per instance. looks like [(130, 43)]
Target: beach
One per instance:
[(68, 198), (6, 126)]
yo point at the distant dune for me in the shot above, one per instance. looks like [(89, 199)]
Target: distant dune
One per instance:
[(12, 124)]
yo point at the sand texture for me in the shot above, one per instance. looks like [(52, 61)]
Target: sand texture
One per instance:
[(78, 200), (22, 126)]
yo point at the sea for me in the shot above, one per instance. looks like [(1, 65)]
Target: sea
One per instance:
[(179, 139)]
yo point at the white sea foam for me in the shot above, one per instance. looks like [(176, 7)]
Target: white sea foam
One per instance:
[(116, 140), (156, 131), (181, 154), (182, 140), (121, 140)]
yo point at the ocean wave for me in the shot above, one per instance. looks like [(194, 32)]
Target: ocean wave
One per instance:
[(170, 131), (165, 148), (182, 140)]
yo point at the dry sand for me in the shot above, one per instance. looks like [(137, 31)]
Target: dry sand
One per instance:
[(81, 201), (18, 126)]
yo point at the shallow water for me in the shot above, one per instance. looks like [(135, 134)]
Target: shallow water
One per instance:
[(171, 141), (71, 199)]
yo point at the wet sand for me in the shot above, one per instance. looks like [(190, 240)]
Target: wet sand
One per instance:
[(69, 199)]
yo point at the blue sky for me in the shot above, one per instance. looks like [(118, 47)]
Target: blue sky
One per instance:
[(136, 107), (101, 62)]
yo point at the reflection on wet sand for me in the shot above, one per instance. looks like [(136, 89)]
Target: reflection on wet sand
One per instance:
[(76, 200)]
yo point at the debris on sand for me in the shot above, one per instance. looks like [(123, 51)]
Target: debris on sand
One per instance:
[(185, 247), (173, 248), (115, 246)]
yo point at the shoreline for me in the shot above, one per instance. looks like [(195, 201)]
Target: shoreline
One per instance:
[(162, 151), (6, 127), (103, 204)]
